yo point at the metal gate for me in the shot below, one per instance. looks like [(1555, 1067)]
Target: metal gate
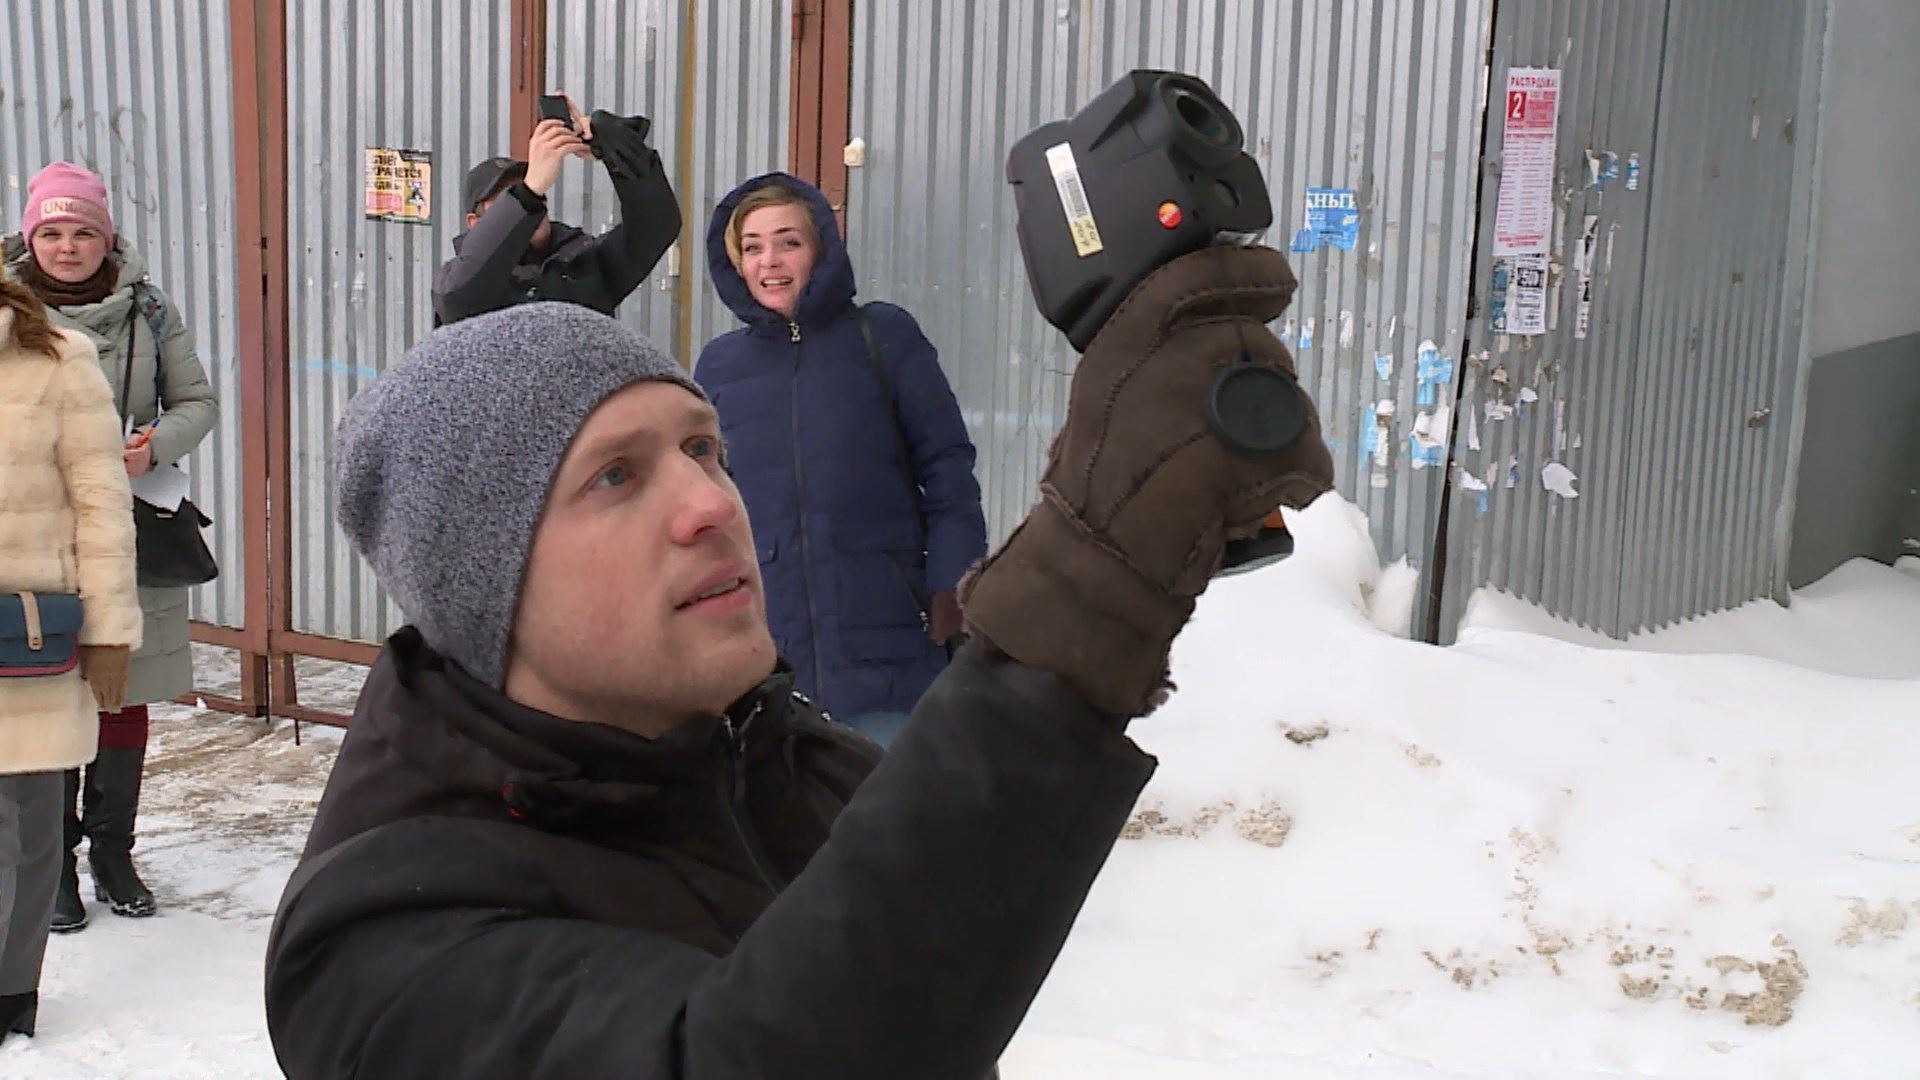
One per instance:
[(1626, 468), (368, 74)]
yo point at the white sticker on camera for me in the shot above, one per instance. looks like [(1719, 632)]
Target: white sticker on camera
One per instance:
[(1073, 199)]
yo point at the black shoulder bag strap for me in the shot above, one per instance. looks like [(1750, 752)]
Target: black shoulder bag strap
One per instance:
[(126, 380), (156, 315), (893, 414), (146, 305), (906, 458)]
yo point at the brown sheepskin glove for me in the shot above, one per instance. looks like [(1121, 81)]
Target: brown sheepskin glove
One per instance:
[(1139, 497), (105, 668)]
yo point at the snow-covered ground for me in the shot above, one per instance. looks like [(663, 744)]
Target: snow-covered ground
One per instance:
[(223, 817), (1531, 854), (1513, 857)]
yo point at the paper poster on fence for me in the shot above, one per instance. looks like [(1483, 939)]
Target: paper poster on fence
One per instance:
[(1523, 220), (1527, 298), (400, 185), (1333, 215), (1583, 263)]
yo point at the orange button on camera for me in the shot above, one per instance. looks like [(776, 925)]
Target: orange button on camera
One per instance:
[(1169, 215)]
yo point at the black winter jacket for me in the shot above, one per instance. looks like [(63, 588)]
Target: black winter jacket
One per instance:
[(490, 891), (494, 267)]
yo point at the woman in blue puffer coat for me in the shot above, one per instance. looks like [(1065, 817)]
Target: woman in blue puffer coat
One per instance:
[(850, 452)]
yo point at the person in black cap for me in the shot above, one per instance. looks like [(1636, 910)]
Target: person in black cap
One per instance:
[(513, 252)]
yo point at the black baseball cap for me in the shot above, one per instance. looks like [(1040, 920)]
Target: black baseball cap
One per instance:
[(488, 178)]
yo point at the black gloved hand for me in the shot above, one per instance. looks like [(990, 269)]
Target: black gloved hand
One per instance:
[(621, 142)]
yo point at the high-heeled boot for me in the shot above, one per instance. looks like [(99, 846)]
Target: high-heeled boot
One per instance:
[(112, 806)]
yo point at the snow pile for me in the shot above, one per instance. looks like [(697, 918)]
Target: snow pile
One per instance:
[(1862, 620), (1517, 856)]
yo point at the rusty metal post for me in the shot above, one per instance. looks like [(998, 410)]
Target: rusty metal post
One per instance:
[(257, 30), (820, 94), (272, 164), (803, 90), (836, 103), (683, 184), (529, 29)]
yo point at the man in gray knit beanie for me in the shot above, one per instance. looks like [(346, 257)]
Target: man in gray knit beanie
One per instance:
[(450, 461), (581, 825)]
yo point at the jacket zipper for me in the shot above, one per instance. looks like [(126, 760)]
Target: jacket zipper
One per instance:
[(800, 499), (735, 803)]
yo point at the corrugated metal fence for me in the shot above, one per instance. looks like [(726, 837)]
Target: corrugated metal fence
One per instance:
[(1684, 141), (131, 91), (1382, 98), (364, 73), (1674, 408)]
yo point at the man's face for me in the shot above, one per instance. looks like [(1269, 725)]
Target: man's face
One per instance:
[(642, 605)]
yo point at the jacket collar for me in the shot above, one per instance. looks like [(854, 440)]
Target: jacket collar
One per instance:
[(561, 775)]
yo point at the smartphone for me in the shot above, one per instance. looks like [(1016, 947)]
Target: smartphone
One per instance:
[(555, 107)]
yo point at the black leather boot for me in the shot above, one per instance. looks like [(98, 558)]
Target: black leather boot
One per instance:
[(69, 911), (113, 790), (18, 1012)]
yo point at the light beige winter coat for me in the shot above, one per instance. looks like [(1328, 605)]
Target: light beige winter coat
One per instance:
[(163, 668), (66, 525)]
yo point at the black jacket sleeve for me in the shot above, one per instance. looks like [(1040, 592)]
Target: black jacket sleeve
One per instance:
[(911, 945), (478, 278), (649, 221)]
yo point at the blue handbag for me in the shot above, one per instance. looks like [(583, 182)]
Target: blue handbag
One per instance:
[(39, 634)]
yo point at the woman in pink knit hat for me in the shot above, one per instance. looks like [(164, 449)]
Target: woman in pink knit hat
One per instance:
[(92, 281)]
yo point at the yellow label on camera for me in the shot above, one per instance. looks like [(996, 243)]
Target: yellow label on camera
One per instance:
[(1073, 199)]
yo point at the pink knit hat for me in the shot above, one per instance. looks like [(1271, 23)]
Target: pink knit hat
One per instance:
[(66, 192)]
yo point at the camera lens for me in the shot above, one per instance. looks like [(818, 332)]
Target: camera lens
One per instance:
[(1204, 120)]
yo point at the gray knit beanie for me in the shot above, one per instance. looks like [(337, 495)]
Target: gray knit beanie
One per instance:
[(445, 462)]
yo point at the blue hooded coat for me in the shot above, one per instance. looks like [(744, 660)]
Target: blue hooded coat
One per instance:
[(850, 551)]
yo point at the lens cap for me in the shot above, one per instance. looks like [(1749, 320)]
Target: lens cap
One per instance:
[(1255, 410)]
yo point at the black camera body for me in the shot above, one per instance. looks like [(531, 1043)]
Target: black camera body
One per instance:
[(1150, 170), (1153, 169)]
